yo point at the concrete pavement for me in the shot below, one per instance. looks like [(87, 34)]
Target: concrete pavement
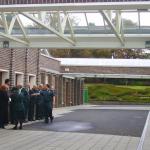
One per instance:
[(51, 140)]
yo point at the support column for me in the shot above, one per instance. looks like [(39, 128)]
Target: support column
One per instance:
[(68, 92), (57, 90), (73, 93), (38, 75), (81, 89), (78, 91), (62, 92), (12, 68), (26, 68), (42, 75), (50, 80), (46, 78)]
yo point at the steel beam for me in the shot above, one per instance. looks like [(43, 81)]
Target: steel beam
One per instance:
[(47, 27), (112, 26), (13, 38), (76, 6)]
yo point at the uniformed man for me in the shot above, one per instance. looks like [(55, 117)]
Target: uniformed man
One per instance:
[(47, 99), (18, 107), (26, 99), (32, 104), (53, 94)]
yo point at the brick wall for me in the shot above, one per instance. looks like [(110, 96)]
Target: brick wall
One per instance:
[(19, 60), (107, 70), (4, 59), (28, 61), (49, 63), (32, 61), (15, 60)]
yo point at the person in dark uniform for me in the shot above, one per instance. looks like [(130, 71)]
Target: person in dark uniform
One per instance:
[(39, 104), (26, 99), (53, 94), (32, 105), (3, 106), (18, 107), (47, 99)]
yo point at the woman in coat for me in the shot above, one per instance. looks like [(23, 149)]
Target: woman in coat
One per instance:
[(3, 106), (18, 107)]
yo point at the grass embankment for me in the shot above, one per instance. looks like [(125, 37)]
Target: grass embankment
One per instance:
[(121, 94)]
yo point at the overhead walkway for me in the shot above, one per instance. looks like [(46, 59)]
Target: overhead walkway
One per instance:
[(74, 24)]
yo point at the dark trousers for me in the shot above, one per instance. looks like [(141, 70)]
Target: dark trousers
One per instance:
[(2, 121), (31, 115), (47, 114)]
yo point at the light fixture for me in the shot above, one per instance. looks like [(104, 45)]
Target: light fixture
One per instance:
[(5, 44)]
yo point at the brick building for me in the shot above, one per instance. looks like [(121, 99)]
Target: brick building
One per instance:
[(30, 66)]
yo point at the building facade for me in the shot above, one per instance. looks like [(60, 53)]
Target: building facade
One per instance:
[(30, 66)]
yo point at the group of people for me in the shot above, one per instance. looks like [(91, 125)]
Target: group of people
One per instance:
[(25, 104)]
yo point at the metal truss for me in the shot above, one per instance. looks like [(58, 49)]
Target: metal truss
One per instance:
[(9, 25), (58, 30), (55, 24), (8, 28), (118, 28)]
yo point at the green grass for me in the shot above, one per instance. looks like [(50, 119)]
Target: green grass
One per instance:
[(108, 92), (135, 87)]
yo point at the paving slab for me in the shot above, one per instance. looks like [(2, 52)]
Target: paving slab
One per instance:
[(55, 140)]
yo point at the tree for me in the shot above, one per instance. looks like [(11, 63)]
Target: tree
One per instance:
[(126, 23)]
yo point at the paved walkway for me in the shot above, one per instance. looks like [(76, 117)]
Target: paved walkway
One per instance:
[(49, 140)]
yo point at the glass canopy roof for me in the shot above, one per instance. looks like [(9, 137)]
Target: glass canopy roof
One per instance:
[(132, 22)]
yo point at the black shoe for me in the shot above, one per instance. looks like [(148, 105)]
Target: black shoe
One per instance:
[(20, 127), (52, 118)]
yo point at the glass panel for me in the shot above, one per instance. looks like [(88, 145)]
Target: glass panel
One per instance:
[(95, 19), (144, 18), (78, 19), (130, 19), (26, 22)]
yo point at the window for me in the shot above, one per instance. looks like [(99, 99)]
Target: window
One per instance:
[(130, 19), (144, 18)]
